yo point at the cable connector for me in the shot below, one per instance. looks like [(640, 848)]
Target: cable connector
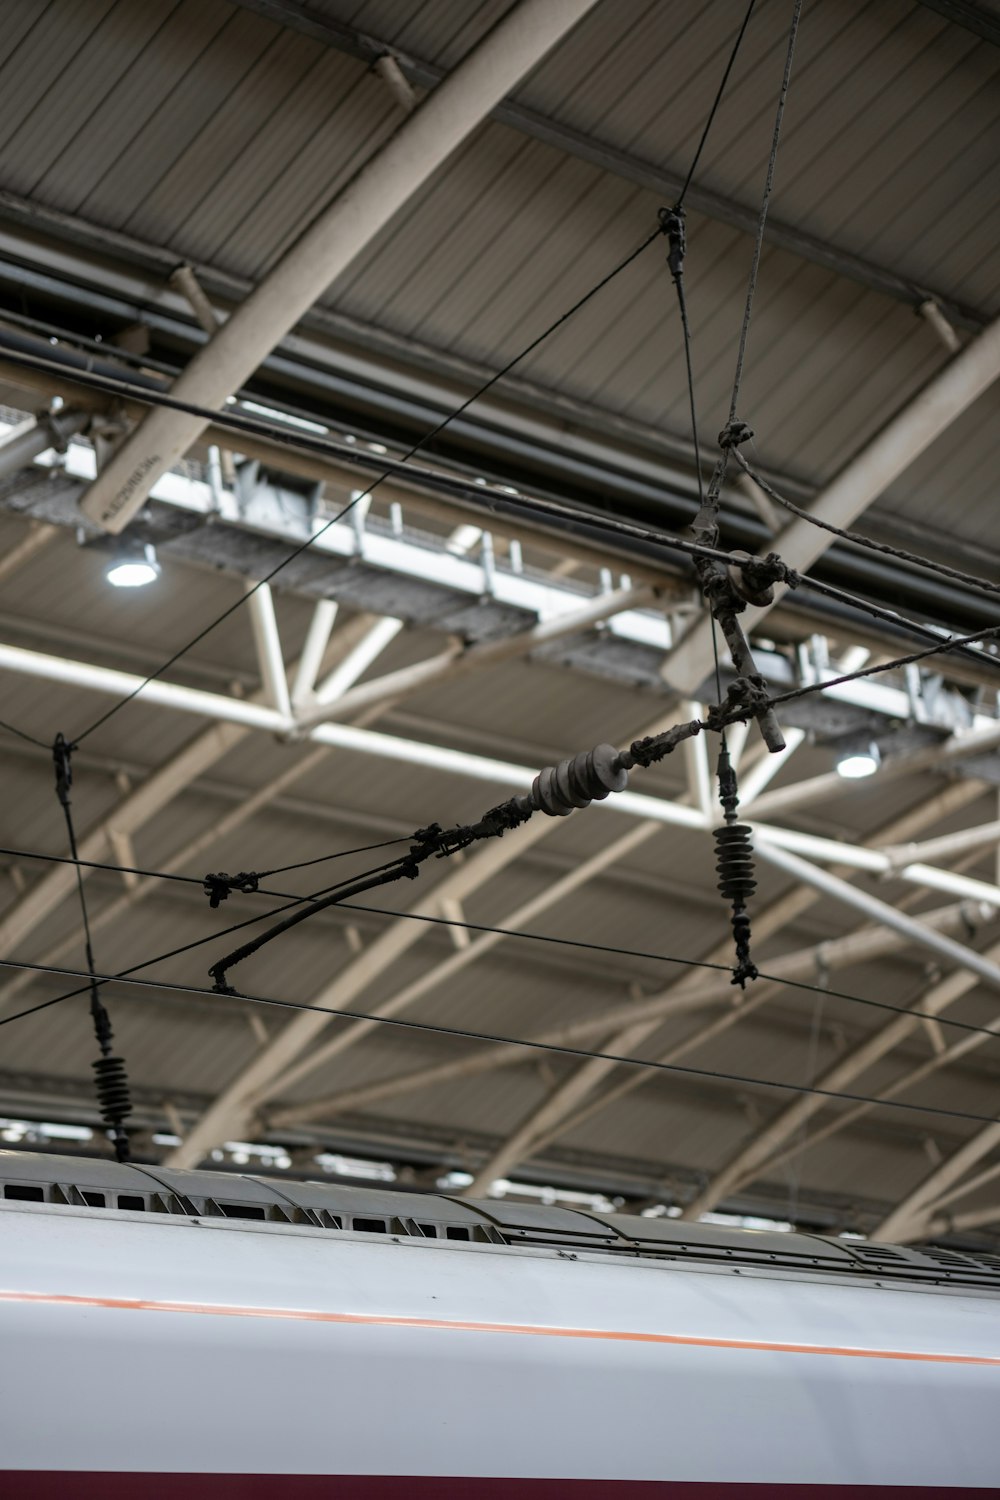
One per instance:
[(734, 433), (655, 747), (746, 698), (219, 887), (62, 751), (672, 225)]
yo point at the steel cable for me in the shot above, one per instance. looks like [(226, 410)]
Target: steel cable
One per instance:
[(483, 928), (552, 1048)]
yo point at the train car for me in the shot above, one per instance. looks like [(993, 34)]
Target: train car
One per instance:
[(201, 1334)]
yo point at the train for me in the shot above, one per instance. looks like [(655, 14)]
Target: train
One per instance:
[(215, 1334)]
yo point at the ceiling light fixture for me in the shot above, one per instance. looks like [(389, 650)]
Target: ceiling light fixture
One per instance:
[(859, 763), (133, 567)]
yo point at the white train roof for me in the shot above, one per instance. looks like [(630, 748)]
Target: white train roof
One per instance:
[(96, 1183)]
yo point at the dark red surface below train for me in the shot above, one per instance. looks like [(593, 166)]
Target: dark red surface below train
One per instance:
[(67, 1484)]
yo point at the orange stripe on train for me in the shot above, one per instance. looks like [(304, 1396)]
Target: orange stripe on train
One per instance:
[(537, 1330)]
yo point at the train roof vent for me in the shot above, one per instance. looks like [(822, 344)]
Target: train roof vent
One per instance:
[(949, 1258), (926, 1263), (373, 1210), (682, 1240), (86, 1181), (878, 1255), (975, 1267), (537, 1224)]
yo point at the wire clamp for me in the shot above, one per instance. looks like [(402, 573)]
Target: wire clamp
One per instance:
[(754, 578), (62, 751), (734, 433), (646, 752), (219, 887), (672, 225)]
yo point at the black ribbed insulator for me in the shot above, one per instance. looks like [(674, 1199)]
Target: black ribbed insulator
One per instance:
[(112, 1090), (734, 862)]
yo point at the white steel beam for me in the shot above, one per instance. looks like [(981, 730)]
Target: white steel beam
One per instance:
[(910, 1218), (459, 662), (982, 835), (969, 1185), (353, 1033), (282, 1062), (557, 1103), (317, 639), (131, 813), (564, 1124), (376, 192), (698, 771), (565, 1097), (973, 1218), (369, 647), (267, 644), (956, 986), (901, 1084), (252, 715), (979, 740), (880, 911), (256, 715), (38, 536), (764, 771)]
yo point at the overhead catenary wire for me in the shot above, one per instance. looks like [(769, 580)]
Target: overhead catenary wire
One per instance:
[(858, 539), (696, 963), (199, 880), (183, 948), (111, 1079), (762, 215), (483, 928), (305, 864), (716, 102), (553, 1048), (23, 734)]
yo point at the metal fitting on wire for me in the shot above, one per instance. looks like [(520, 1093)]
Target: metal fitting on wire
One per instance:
[(218, 887), (672, 224), (734, 433)]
